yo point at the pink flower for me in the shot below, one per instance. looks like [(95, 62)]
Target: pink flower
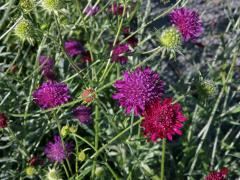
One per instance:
[(187, 22), (218, 175), (163, 120)]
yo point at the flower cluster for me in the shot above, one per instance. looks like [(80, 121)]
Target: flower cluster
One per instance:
[(218, 175)]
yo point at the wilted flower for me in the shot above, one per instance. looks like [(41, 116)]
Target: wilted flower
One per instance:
[(3, 120), (53, 174), (47, 65), (52, 5), (55, 150), (91, 10), (163, 120), (171, 39), (218, 175), (119, 52), (187, 22), (51, 94), (83, 114), (24, 30), (35, 161), (138, 89), (30, 170), (73, 48), (86, 57), (88, 95)]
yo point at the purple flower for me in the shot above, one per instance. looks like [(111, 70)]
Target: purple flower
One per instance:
[(51, 94), (91, 10), (73, 48), (83, 114), (118, 53), (116, 9), (138, 89), (187, 22), (55, 151), (47, 65)]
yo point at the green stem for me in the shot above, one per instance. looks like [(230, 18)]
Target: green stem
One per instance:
[(163, 158), (96, 139)]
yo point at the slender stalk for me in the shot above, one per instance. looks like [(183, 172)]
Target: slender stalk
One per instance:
[(96, 139), (163, 158)]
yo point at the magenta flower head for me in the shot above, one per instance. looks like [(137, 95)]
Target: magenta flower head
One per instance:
[(119, 53), (116, 9), (47, 65), (3, 120), (51, 94), (91, 10), (218, 175), (138, 89), (73, 48), (56, 152), (162, 120), (187, 22), (83, 114)]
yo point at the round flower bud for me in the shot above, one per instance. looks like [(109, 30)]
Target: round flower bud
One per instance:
[(30, 170), (65, 130), (3, 121), (81, 156), (72, 129), (26, 5), (88, 95), (99, 171), (206, 89), (51, 5), (53, 174), (24, 30), (170, 38)]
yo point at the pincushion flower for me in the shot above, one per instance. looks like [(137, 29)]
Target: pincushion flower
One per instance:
[(119, 53), (218, 175), (138, 89), (56, 152), (83, 114), (73, 48), (3, 120), (51, 94), (163, 120), (91, 10), (47, 65), (188, 22)]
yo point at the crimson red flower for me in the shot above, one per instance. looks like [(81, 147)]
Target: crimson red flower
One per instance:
[(163, 120), (3, 120), (218, 175)]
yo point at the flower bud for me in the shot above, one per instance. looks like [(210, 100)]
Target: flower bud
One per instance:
[(53, 174), (206, 89), (24, 30), (81, 156), (170, 38), (30, 170), (65, 130), (26, 5), (51, 5), (88, 95)]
